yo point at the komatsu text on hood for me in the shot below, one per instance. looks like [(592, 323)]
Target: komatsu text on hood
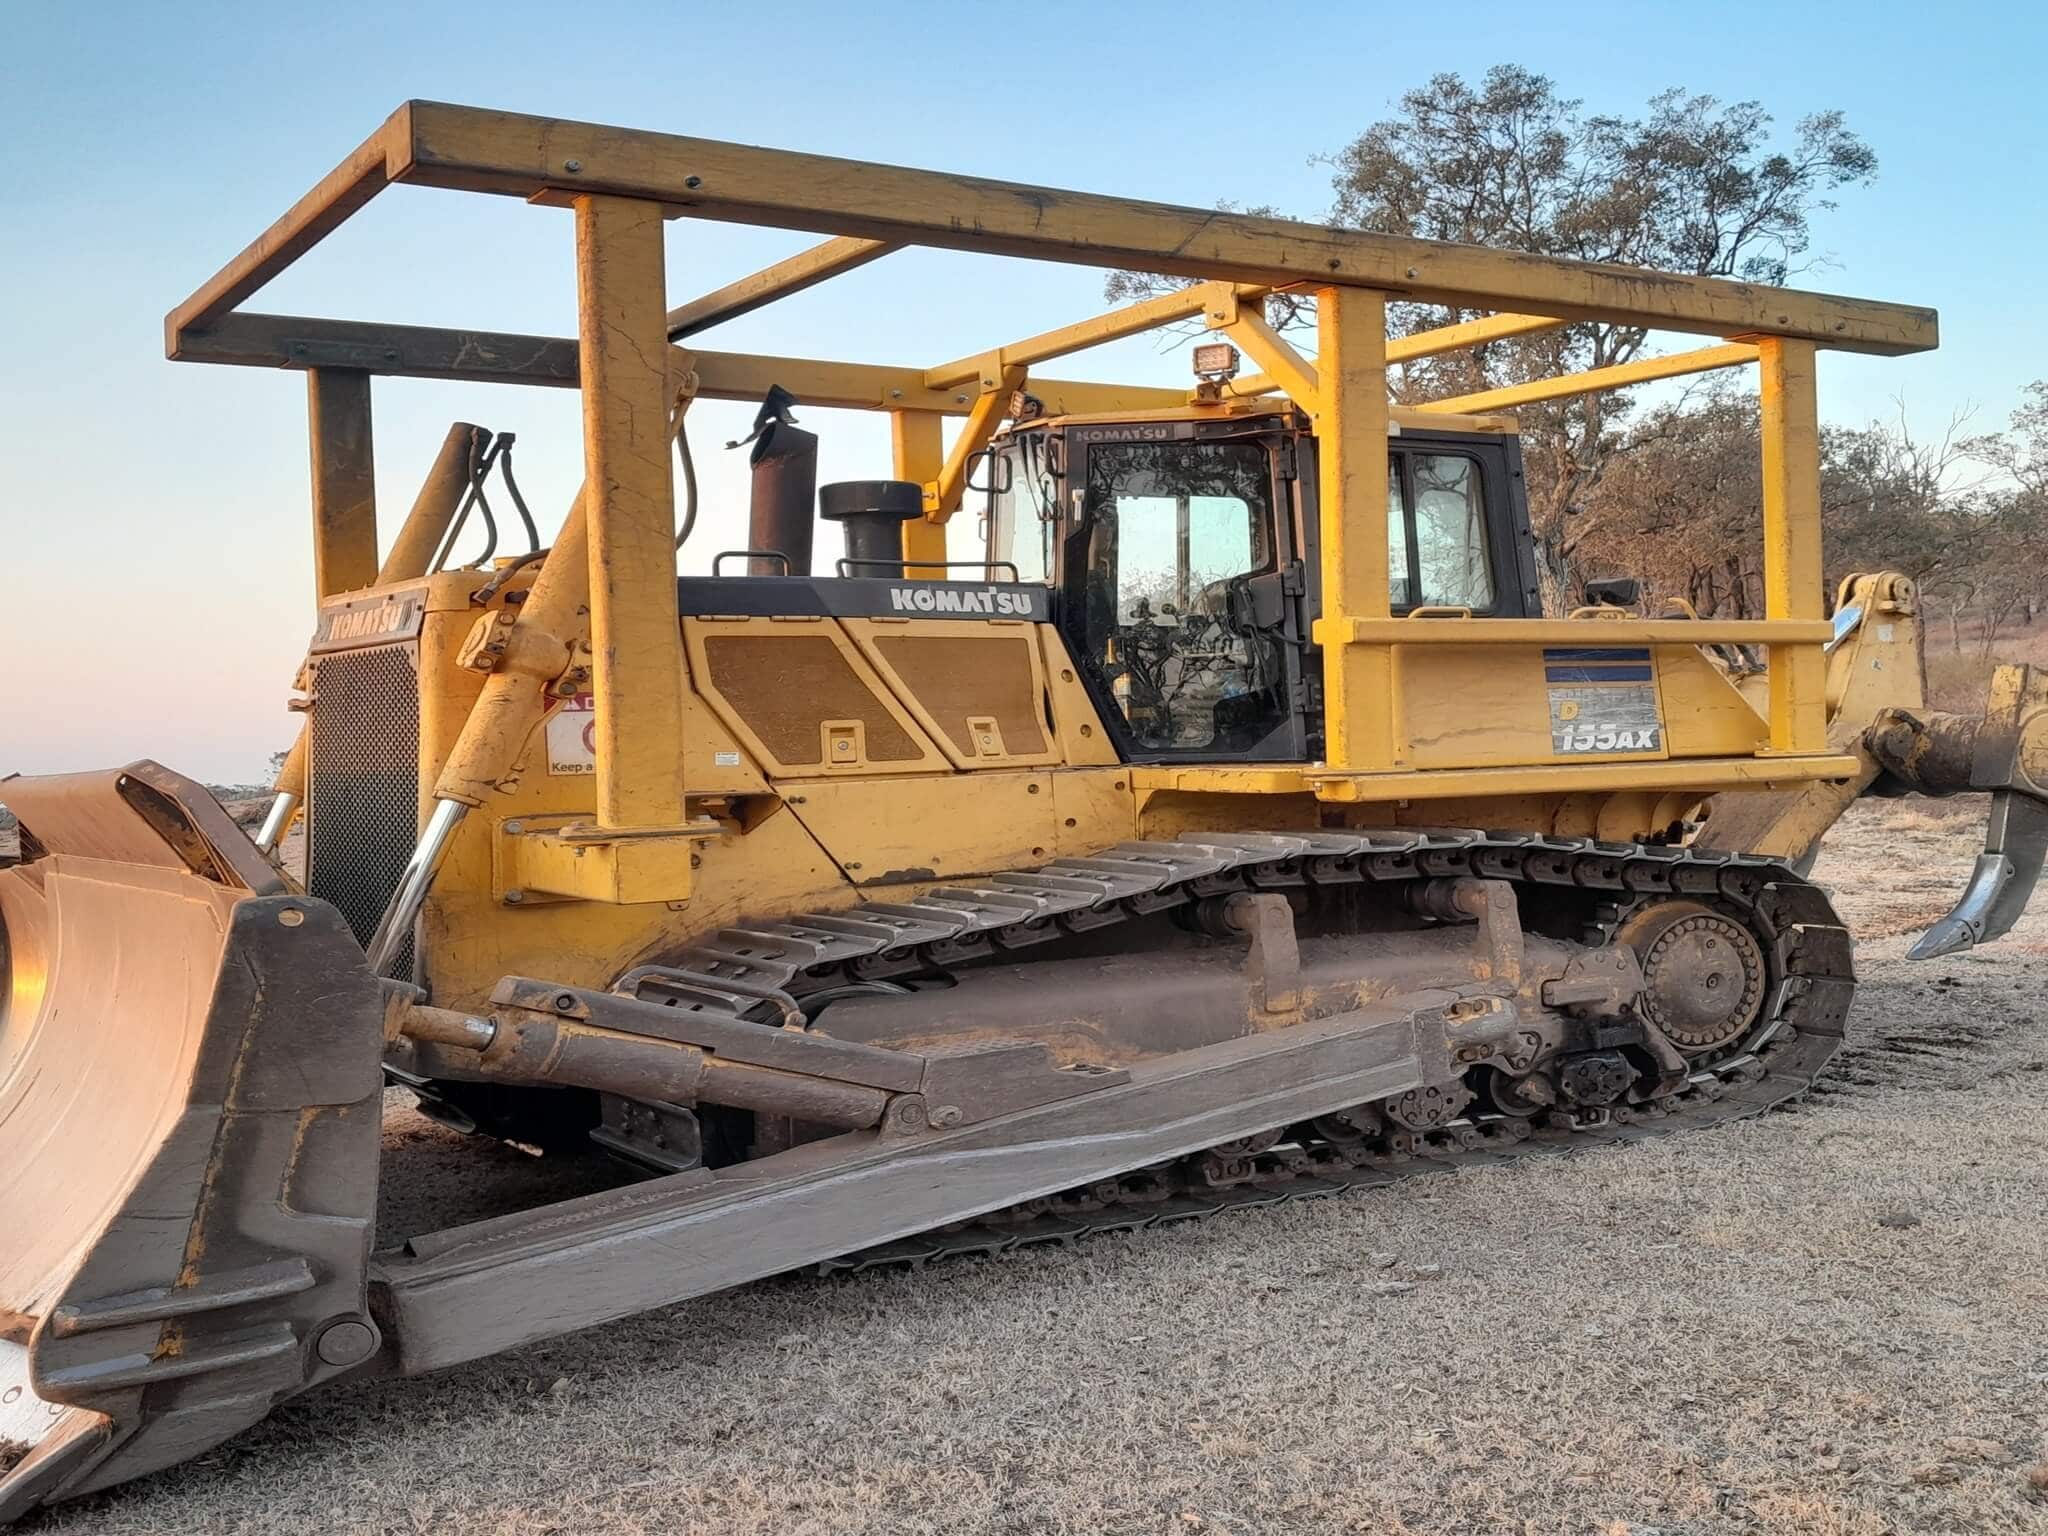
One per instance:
[(931, 597)]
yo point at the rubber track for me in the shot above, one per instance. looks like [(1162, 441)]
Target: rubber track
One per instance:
[(1806, 945)]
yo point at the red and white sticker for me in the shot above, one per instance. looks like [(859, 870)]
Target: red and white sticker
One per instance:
[(572, 736), (572, 739)]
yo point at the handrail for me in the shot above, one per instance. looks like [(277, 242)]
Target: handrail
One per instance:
[(1444, 631), (718, 560)]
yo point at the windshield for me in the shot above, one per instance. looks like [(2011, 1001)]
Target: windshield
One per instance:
[(1021, 508)]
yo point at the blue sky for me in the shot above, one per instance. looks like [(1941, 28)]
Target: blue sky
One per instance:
[(157, 575)]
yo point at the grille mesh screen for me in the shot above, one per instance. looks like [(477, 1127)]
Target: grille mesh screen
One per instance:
[(959, 679), (362, 802), (786, 686)]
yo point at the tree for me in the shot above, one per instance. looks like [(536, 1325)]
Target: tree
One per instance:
[(2015, 542), (2021, 451), (1680, 504), (1694, 185), (1892, 501)]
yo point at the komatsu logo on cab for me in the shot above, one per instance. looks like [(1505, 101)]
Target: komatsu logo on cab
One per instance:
[(927, 597), (1138, 434)]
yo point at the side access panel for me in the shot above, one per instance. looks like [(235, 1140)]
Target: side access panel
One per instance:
[(803, 700)]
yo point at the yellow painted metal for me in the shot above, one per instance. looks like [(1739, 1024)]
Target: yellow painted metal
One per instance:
[(1399, 417), (942, 495), (629, 507), (981, 748), (876, 387), (1620, 818), (1675, 365), (1888, 641), (765, 863), (2016, 712), (1706, 713), (483, 921), (1878, 667), (1131, 320), (291, 778), (344, 480), (1445, 689), (1705, 774), (467, 148), (1359, 714), (769, 864), (1227, 779), (1790, 422), (1073, 397), (474, 149), (496, 357), (419, 537), (1295, 374), (494, 729), (619, 871), (514, 898), (1076, 722), (1095, 811), (806, 733), (1182, 409), (339, 194), (917, 449), (1444, 338), (949, 828), (804, 270), (1465, 707), (1790, 418), (1467, 333), (1696, 773), (1396, 746), (1624, 631)]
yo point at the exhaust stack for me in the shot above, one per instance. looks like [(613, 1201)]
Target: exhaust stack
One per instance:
[(785, 463)]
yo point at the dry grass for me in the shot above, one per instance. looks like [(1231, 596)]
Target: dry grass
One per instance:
[(1956, 678), (1830, 1322)]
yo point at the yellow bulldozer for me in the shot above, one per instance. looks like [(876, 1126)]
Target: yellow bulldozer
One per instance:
[(1232, 827)]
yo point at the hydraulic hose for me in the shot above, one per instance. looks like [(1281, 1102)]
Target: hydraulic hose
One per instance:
[(689, 475)]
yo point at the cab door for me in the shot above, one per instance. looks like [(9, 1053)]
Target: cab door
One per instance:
[(1179, 583)]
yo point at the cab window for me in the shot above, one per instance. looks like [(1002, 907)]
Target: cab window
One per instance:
[(1020, 528), (1436, 533)]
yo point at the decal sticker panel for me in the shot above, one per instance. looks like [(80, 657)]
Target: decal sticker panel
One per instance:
[(1603, 702), (572, 737)]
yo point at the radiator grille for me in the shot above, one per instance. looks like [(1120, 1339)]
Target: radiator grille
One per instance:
[(362, 800)]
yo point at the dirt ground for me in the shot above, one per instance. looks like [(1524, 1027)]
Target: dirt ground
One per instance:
[(1829, 1322)]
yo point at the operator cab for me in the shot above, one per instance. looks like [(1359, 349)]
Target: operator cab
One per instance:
[(1181, 550)]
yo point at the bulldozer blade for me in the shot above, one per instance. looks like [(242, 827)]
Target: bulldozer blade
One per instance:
[(189, 1107), (2015, 843)]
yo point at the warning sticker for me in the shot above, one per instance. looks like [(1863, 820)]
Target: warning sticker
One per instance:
[(572, 736), (1602, 702)]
